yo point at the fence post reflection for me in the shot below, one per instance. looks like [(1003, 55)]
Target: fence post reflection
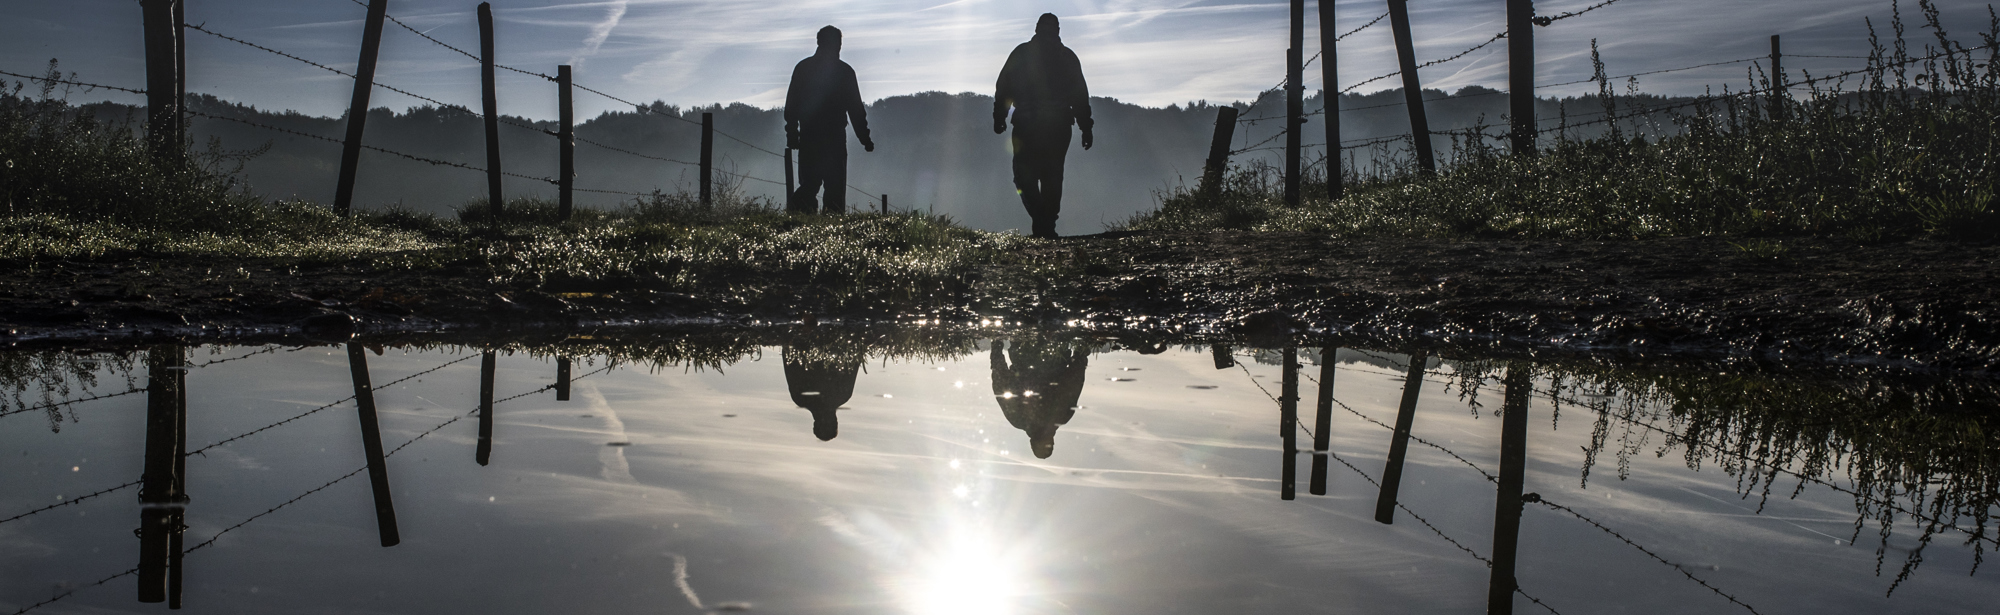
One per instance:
[(371, 445), (1225, 357), (1323, 422), (485, 451), (562, 378), (1288, 423), (161, 515), (1399, 445), (1507, 505)]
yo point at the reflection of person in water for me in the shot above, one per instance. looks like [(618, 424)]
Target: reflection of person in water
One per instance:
[(820, 385), (1039, 390), (822, 97), (1043, 82)]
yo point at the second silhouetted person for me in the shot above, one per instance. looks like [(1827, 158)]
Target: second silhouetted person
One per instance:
[(822, 97), (1043, 82)]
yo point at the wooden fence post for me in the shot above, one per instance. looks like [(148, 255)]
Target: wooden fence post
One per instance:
[(885, 204), (1413, 91), (1295, 92), (566, 179), (789, 181), (1218, 153), (163, 82), (180, 130), (160, 481), (1521, 74), (484, 452), (1329, 71), (371, 446), (1777, 95), (357, 108), (1507, 502), (562, 378), (490, 100), (707, 159), (1399, 443), (1288, 419), (1323, 419)]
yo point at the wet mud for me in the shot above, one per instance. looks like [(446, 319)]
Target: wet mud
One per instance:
[(1924, 304)]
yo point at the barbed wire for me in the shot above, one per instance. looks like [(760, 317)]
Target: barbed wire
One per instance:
[(77, 589), (331, 404), (72, 401), (645, 109), (1429, 64), (70, 501), (1536, 498), (1652, 72), (633, 153), (1545, 21), (431, 161), (70, 82), (475, 58)]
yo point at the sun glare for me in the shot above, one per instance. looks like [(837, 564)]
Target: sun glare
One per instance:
[(968, 577)]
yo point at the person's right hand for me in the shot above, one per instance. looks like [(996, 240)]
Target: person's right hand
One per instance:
[(999, 125)]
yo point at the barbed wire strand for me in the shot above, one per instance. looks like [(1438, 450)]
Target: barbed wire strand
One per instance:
[(70, 501), (431, 161), (331, 404), (60, 404), (45, 79)]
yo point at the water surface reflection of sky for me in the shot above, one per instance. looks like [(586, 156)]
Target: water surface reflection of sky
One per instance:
[(691, 491)]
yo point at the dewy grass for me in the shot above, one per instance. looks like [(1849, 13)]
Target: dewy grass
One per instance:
[(1913, 150)]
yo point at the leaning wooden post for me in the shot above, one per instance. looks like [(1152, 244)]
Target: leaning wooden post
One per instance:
[(707, 159), (1295, 93), (484, 452), (1288, 419), (1218, 153), (1778, 92), (885, 204), (159, 487), (1507, 503), (163, 82), (490, 100), (1323, 420), (1413, 91), (566, 180), (1521, 74), (357, 108), (1399, 444), (1336, 180), (371, 446)]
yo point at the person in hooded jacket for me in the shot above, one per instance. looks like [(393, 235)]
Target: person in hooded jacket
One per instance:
[(1038, 390), (820, 383), (1043, 83), (822, 97)]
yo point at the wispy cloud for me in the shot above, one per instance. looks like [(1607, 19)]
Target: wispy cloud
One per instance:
[(598, 33)]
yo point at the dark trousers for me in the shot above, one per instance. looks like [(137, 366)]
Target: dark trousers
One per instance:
[(822, 162), (1039, 151)]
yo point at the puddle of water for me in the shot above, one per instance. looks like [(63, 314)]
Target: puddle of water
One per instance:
[(1034, 475)]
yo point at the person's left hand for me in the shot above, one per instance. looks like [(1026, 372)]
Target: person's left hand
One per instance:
[(1088, 138), (868, 144)]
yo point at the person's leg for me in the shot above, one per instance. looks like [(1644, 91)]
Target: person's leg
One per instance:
[(1054, 152), (1027, 182), (812, 170), (835, 177)]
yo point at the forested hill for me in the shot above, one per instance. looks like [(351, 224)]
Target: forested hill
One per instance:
[(935, 151)]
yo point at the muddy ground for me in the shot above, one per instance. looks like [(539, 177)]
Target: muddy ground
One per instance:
[(1924, 304)]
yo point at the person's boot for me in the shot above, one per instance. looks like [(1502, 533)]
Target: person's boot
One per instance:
[(1045, 228)]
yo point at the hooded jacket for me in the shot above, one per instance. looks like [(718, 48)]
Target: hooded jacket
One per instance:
[(1043, 80)]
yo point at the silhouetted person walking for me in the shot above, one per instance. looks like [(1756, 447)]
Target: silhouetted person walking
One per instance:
[(820, 384), (822, 97), (1038, 392), (1043, 82)]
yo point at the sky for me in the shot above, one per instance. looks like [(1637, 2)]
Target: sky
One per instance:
[(699, 52)]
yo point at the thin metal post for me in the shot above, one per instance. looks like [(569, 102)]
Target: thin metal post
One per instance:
[(1521, 74), (163, 81), (1399, 444), (707, 158), (371, 446), (1323, 421), (790, 183), (1413, 91), (1295, 92), (357, 108), (566, 179), (490, 101), (1507, 503), (1218, 153), (484, 453), (1336, 179), (885, 204), (1777, 95)]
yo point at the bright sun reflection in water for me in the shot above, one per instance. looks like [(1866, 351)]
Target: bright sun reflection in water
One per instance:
[(968, 577)]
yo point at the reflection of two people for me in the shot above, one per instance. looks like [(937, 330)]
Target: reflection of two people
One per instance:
[(820, 382), (1038, 389)]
